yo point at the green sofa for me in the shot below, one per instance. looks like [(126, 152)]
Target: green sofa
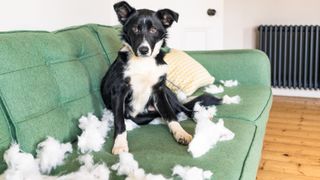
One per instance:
[(49, 79)]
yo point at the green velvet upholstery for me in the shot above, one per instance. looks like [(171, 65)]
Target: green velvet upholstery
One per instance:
[(49, 79)]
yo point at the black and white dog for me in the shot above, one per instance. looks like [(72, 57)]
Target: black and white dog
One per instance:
[(134, 86)]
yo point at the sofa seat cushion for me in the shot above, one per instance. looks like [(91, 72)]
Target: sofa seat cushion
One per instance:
[(157, 152), (254, 100), (48, 80)]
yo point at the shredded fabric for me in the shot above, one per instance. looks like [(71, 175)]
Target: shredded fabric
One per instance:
[(230, 83), (129, 167), (51, 153), (191, 173), (207, 133), (213, 89), (93, 133), (88, 171), (182, 97), (231, 100)]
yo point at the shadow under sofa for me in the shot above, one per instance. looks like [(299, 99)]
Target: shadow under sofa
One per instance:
[(50, 79)]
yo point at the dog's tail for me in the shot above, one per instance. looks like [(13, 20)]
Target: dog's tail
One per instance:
[(204, 100)]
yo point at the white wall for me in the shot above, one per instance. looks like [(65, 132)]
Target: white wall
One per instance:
[(52, 14), (243, 16)]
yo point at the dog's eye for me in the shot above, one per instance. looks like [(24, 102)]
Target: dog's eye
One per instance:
[(135, 29), (152, 30)]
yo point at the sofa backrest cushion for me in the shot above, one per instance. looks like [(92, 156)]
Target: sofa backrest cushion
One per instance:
[(48, 80), (110, 40), (5, 136)]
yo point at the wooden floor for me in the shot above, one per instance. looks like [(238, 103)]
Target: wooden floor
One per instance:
[(291, 148)]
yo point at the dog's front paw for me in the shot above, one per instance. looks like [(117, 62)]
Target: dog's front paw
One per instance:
[(119, 149), (120, 144), (182, 137)]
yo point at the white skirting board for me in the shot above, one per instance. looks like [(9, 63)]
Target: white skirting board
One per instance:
[(296, 92)]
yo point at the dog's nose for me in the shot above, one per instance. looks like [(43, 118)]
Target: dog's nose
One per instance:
[(143, 50)]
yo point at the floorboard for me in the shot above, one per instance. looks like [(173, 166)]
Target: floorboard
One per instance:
[(291, 148)]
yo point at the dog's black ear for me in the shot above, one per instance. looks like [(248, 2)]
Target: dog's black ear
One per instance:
[(123, 10), (167, 17)]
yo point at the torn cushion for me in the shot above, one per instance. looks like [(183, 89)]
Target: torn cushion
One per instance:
[(185, 73)]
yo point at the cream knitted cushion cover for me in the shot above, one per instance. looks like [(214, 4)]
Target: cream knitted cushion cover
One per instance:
[(185, 73)]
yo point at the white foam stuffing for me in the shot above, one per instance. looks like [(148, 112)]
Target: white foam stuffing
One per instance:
[(231, 100), (130, 125), (107, 116), (182, 97), (129, 167), (88, 171), (51, 153), (93, 134), (157, 121), (213, 89), (207, 133), (229, 83), (21, 165), (202, 112), (182, 116), (191, 173)]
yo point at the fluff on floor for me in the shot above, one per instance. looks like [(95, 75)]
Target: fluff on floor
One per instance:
[(129, 167), (229, 83), (207, 133), (214, 89), (51, 153), (191, 173), (93, 134), (231, 100)]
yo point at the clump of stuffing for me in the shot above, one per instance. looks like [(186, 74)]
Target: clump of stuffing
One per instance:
[(207, 133), (182, 116), (93, 133), (130, 125), (191, 173), (213, 89), (88, 170), (51, 153), (107, 116), (202, 112), (129, 167), (231, 100), (21, 165), (230, 83), (182, 97), (157, 121)]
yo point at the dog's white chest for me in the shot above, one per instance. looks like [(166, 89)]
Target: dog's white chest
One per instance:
[(143, 74)]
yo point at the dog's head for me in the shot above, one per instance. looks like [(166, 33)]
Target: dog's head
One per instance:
[(144, 31)]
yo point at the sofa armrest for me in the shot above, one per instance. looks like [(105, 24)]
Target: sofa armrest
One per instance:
[(247, 66)]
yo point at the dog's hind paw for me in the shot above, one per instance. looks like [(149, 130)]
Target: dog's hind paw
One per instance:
[(181, 136), (119, 149)]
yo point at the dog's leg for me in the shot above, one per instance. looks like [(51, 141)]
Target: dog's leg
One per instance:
[(167, 112), (120, 134)]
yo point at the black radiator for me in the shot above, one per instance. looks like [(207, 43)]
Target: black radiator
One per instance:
[(294, 52)]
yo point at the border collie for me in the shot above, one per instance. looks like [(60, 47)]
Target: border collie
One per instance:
[(134, 86)]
